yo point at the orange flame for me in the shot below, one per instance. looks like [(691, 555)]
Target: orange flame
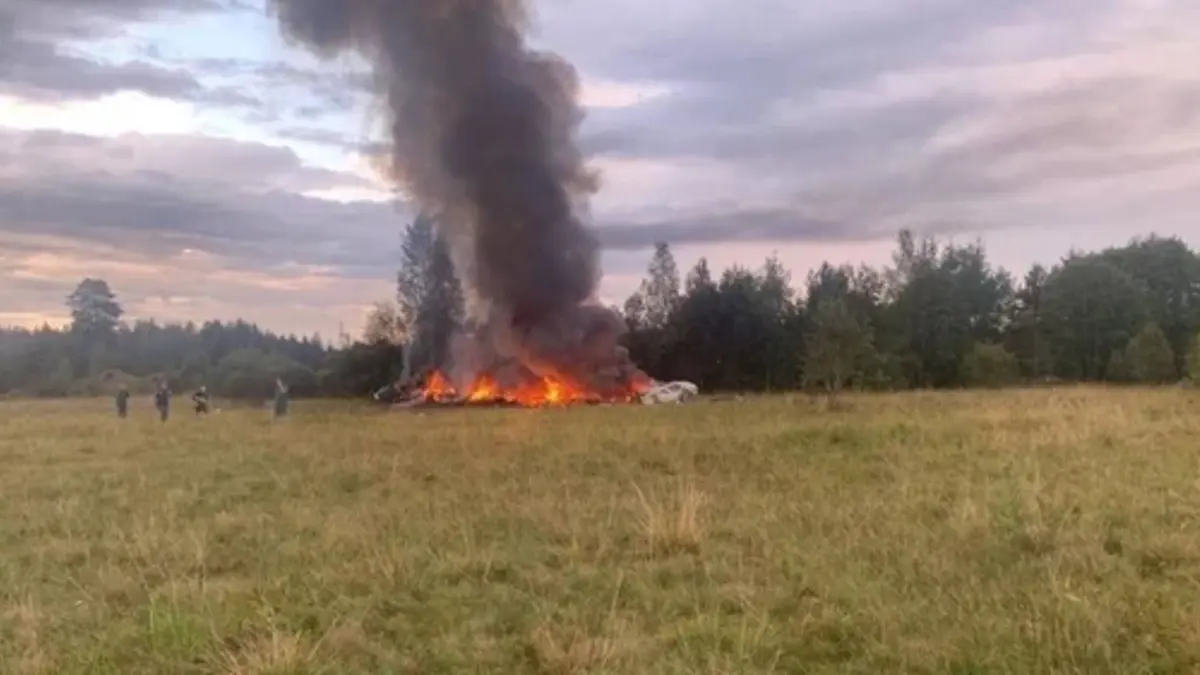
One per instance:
[(438, 387), (546, 391)]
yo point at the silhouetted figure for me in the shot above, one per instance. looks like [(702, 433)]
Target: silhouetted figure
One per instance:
[(162, 401), (281, 399), (123, 402), (201, 400)]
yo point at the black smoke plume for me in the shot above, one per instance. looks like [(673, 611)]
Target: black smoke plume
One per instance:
[(483, 132)]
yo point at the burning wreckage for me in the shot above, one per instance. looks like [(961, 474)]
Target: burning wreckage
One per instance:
[(483, 133), (436, 390), (601, 375)]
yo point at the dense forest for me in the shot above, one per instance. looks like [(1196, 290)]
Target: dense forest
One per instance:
[(98, 352), (939, 316)]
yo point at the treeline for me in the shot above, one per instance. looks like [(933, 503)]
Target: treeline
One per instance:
[(940, 316), (98, 352)]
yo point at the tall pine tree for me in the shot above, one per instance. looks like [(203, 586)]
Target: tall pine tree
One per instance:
[(429, 296)]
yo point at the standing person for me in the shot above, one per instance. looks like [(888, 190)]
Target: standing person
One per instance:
[(200, 398), (162, 401), (281, 399), (123, 402)]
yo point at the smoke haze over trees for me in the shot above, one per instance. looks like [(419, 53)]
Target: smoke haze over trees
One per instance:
[(939, 316)]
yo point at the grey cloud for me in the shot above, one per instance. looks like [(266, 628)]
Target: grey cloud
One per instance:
[(89, 19), (848, 116), (326, 92), (40, 57), (661, 131), (360, 146), (1110, 111), (45, 72), (747, 225), (321, 137), (759, 226), (161, 195), (846, 112), (1078, 134), (727, 75), (780, 47), (196, 160), (156, 196), (717, 52), (875, 172), (311, 112), (332, 83)]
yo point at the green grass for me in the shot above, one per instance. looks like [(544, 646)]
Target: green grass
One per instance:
[(965, 533)]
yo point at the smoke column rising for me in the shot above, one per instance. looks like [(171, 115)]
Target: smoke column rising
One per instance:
[(483, 133)]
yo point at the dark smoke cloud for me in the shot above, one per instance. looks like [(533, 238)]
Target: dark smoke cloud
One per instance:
[(483, 133)]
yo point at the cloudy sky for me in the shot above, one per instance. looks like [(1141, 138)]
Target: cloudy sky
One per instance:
[(183, 151)]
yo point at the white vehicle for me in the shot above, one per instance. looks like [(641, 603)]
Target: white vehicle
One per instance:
[(670, 392)]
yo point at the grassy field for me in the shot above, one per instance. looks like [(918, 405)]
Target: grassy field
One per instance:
[(1008, 532)]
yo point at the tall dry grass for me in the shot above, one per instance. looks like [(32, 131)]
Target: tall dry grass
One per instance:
[(1004, 532)]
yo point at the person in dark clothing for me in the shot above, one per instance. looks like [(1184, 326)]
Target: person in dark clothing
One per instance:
[(281, 399), (123, 402), (200, 398), (162, 401)]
